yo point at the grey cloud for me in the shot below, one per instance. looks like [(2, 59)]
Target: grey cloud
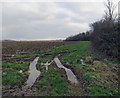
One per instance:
[(47, 20)]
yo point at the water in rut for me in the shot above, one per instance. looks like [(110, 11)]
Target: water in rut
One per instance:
[(34, 73), (46, 64), (71, 77)]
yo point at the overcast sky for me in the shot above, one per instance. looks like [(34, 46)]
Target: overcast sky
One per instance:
[(48, 20)]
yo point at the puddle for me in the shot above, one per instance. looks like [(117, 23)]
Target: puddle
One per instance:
[(46, 64), (34, 73), (71, 77)]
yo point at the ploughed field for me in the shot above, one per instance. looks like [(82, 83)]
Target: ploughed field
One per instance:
[(95, 77), (15, 47)]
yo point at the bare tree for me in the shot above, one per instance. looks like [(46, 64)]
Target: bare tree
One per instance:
[(110, 12)]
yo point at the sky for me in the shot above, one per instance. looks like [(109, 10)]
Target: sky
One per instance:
[(25, 20)]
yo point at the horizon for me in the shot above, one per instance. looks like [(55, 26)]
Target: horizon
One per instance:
[(33, 40)]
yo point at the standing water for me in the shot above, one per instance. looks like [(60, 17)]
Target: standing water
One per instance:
[(46, 64), (34, 73), (71, 77)]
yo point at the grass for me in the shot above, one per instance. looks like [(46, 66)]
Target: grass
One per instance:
[(71, 53), (25, 56), (90, 77), (97, 91), (100, 79), (16, 66), (52, 83), (11, 75), (11, 78), (115, 62), (74, 57)]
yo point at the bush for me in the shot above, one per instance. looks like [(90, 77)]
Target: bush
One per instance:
[(104, 37)]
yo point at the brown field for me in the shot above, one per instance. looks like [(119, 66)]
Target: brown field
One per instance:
[(13, 47)]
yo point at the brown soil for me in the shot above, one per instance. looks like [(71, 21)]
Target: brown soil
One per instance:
[(22, 47)]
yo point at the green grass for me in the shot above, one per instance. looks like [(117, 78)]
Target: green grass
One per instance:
[(46, 59), (11, 75), (18, 56), (25, 55), (52, 83), (74, 56), (97, 91), (98, 76), (74, 52), (16, 66), (115, 62), (11, 78), (90, 77)]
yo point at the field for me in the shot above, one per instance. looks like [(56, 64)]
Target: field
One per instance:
[(96, 77), (17, 47)]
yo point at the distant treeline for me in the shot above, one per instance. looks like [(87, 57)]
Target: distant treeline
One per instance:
[(85, 36), (104, 34)]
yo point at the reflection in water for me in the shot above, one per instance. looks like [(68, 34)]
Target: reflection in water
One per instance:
[(34, 73), (70, 74)]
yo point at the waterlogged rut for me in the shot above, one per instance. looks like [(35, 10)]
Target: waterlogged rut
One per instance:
[(26, 90), (71, 77), (34, 73)]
